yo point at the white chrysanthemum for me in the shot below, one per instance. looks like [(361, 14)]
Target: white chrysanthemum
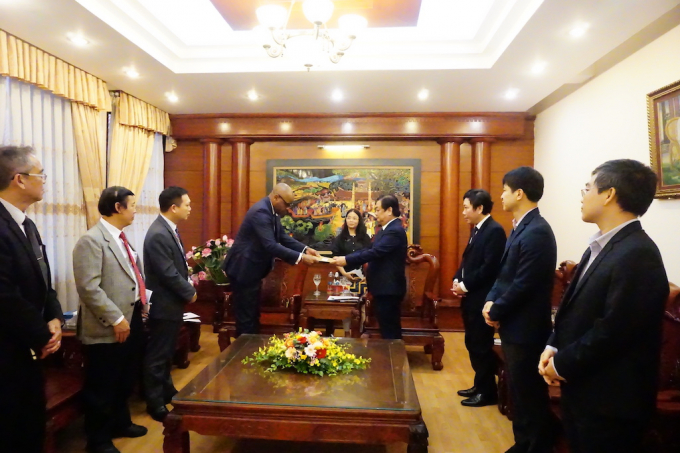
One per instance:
[(317, 345), (291, 353), (310, 351)]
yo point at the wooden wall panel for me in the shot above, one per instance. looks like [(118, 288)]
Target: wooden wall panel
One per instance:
[(184, 168)]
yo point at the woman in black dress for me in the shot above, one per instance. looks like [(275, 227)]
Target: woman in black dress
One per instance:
[(353, 237)]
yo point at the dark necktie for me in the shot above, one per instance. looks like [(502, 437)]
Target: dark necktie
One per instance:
[(138, 275), (32, 235), (179, 240), (475, 230)]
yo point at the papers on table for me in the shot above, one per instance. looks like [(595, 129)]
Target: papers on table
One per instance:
[(343, 297), (191, 317)]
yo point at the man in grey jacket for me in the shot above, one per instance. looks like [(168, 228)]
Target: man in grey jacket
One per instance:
[(111, 287)]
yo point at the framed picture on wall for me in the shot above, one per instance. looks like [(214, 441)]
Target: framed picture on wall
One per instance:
[(326, 189), (663, 111)]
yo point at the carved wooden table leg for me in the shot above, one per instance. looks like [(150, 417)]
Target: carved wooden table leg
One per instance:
[(223, 339), (355, 324), (176, 438), (437, 353), (303, 320), (194, 335), (417, 442)]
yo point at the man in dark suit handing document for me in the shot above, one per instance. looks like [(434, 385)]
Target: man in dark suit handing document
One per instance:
[(260, 239)]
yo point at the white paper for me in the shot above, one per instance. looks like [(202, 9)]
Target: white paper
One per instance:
[(192, 320), (323, 259), (189, 315), (343, 297)]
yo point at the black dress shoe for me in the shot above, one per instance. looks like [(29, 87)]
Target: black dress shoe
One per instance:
[(158, 413), (131, 431), (168, 396), (479, 400), (107, 447), (472, 391)]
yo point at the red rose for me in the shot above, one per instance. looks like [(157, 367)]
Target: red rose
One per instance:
[(321, 353), (302, 340)]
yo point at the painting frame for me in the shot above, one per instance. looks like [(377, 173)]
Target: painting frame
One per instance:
[(312, 164), (663, 114)]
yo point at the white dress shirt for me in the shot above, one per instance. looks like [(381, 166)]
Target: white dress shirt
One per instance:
[(17, 214), (115, 232)]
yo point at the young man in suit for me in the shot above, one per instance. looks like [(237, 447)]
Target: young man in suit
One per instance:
[(476, 275), (167, 276), (30, 314), (386, 274), (260, 239), (605, 349), (112, 293), (519, 304)]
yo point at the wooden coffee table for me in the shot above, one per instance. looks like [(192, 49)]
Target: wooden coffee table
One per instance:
[(319, 307), (378, 405)]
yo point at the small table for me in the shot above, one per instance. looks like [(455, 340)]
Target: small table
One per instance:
[(378, 405), (319, 307)]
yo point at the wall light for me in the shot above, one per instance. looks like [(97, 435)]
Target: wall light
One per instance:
[(344, 147)]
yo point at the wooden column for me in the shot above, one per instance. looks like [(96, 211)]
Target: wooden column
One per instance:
[(449, 213), (212, 187), (240, 181), (481, 163)]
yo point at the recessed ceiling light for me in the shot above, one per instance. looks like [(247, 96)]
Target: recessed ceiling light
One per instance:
[(511, 93), (539, 67), (131, 72), (77, 39), (423, 94), (578, 30), (337, 95), (253, 96), (172, 97)]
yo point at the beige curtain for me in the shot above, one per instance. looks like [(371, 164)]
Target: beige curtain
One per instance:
[(134, 124), (20, 60), (90, 137)]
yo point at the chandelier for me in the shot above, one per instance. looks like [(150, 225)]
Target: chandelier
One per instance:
[(309, 44)]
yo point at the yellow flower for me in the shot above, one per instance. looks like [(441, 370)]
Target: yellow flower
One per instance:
[(335, 363), (303, 357), (357, 361)]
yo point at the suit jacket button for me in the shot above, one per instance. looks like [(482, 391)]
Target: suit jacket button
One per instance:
[(132, 304), (133, 289)]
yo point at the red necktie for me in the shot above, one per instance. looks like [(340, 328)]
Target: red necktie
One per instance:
[(138, 275)]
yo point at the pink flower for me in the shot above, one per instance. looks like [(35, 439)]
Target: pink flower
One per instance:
[(230, 242), (217, 242), (189, 255), (194, 279), (207, 244), (202, 275), (206, 252), (225, 238)]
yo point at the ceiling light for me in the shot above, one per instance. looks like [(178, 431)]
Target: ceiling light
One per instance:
[(343, 147), (511, 93), (172, 97), (131, 72), (347, 127), (579, 30), (253, 96), (423, 94), (337, 95), (78, 39), (318, 41), (539, 67)]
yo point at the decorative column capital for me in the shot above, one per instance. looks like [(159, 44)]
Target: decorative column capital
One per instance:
[(241, 140), (218, 141), (458, 140), (483, 140)]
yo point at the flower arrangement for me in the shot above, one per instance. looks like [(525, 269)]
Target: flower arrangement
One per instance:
[(209, 258), (309, 353)]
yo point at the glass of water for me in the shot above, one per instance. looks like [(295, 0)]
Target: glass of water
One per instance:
[(317, 281)]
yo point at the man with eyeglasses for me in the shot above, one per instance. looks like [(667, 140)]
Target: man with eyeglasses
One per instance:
[(260, 239), (30, 314)]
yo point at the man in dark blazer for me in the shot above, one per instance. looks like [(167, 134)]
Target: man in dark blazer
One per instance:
[(167, 275), (259, 240), (386, 274), (519, 303), (30, 314), (607, 340), (476, 275)]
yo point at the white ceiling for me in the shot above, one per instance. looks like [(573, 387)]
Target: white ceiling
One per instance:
[(466, 53)]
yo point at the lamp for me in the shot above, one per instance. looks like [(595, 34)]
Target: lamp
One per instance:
[(309, 44)]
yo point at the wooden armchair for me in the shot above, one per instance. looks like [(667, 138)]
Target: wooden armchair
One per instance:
[(280, 303), (419, 307)]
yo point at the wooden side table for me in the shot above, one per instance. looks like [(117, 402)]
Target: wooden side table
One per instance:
[(319, 307)]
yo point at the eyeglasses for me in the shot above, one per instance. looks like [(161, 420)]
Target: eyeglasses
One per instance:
[(42, 176)]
